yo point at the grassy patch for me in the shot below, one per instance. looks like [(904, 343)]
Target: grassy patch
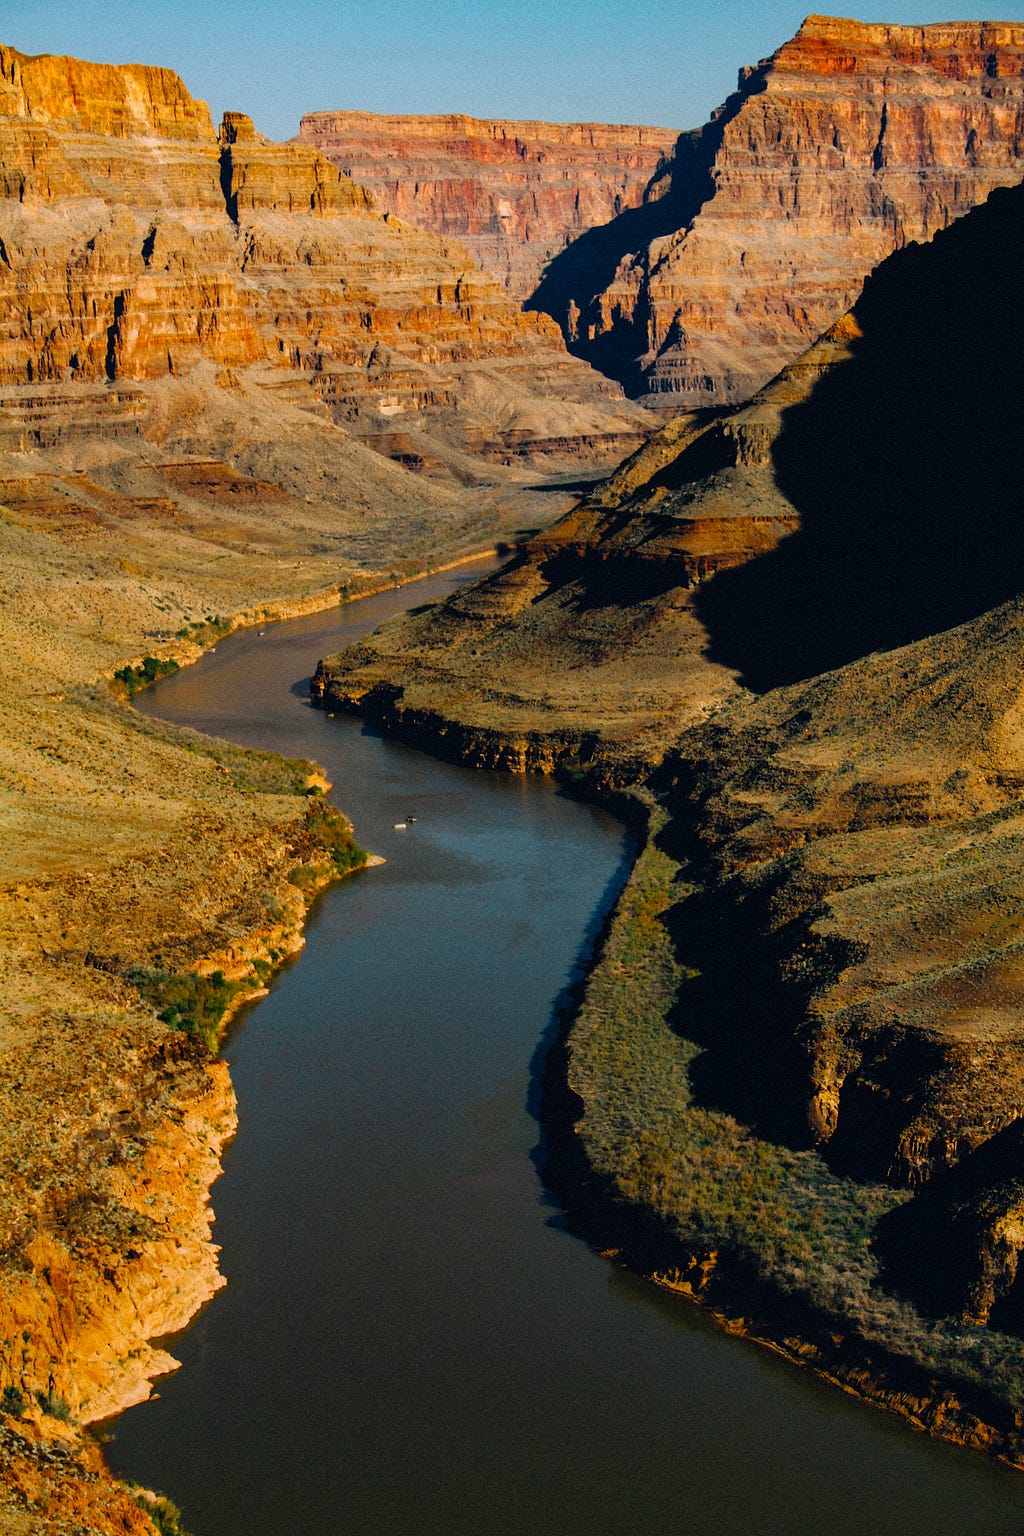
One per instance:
[(253, 772), (205, 631), (187, 1001), (720, 1188)]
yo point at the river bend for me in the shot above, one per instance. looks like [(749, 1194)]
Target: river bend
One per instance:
[(409, 1341)]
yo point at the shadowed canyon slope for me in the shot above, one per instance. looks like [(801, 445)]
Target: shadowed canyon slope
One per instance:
[(850, 141), (514, 193), (136, 242), (852, 829)]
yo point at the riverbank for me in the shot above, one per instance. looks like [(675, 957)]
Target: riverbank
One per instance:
[(151, 874), (766, 1240)]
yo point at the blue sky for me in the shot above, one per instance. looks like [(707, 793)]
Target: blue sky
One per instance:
[(661, 61)]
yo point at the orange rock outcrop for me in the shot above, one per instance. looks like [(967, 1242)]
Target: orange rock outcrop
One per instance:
[(130, 1258), (849, 142), (514, 193)]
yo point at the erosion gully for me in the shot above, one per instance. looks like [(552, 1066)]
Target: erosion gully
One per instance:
[(410, 1340)]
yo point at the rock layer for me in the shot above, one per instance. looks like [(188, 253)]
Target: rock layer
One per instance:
[(514, 193), (847, 143), (135, 243)]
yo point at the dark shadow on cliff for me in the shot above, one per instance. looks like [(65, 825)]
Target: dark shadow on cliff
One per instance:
[(585, 269), (546, 1085), (581, 273), (749, 1065), (903, 464), (928, 1249)]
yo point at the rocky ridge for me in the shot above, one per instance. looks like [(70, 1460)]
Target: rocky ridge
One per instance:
[(850, 141), (514, 194)]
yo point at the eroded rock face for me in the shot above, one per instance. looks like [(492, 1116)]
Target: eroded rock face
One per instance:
[(590, 652), (514, 193), (847, 143), (135, 242)]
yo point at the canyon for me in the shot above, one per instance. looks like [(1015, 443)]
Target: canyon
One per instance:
[(828, 755), (208, 345), (755, 233), (783, 634)]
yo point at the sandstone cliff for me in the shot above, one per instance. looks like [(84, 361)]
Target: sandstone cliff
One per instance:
[(815, 598), (135, 243), (850, 141), (514, 194)]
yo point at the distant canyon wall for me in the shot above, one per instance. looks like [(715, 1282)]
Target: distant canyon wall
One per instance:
[(756, 234), (514, 193)]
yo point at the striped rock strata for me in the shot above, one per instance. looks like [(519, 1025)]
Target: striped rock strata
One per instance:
[(136, 242), (846, 144), (514, 193)]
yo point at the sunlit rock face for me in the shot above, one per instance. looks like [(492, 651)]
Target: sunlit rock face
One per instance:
[(514, 193), (135, 241), (850, 141)]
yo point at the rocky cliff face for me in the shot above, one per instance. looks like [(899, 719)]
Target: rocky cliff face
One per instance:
[(514, 193), (135, 243), (847, 143)]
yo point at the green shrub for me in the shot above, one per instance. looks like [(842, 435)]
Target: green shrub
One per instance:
[(53, 1406), (304, 876), (12, 1401), (152, 667), (165, 1515), (187, 1001), (326, 831)]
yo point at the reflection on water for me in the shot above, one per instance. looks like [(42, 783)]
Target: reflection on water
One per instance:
[(409, 1342)]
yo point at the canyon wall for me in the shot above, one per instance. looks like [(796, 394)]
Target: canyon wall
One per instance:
[(135, 243), (514, 193), (695, 277), (847, 143)]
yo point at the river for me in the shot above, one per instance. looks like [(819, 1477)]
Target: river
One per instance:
[(410, 1341)]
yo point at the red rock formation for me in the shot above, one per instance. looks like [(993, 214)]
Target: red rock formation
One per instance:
[(514, 193), (847, 143), (134, 243)]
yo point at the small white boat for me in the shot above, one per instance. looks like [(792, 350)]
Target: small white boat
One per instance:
[(400, 826)]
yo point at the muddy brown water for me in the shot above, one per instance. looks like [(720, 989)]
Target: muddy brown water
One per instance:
[(410, 1341)]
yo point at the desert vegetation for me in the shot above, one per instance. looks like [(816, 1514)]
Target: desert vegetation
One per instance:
[(752, 1226)]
